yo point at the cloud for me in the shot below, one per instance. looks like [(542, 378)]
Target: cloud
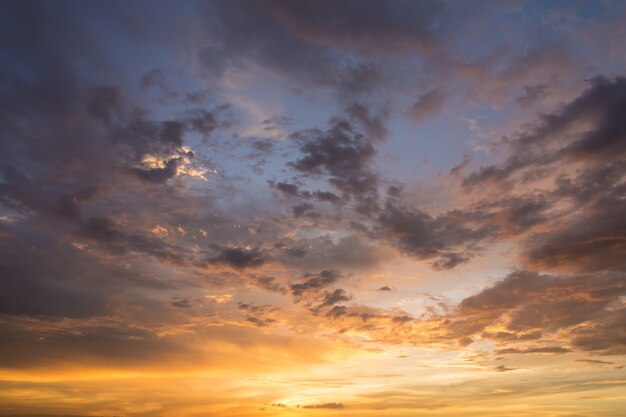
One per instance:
[(532, 94), (532, 306), (449, 239), (182, 303), (269, 283), (590, 240), (502, 368), (337, 311), (428, 105), (118, 239), (605, 336), (97, 155), (559, 137), (260, 322), (502, 335), (36, 284), (449, 261), (595, 361), (301, 209), (332, 298), (341, 153), (334, 406), (401, 319), (374, 125), (158, 175), (239, 258), (313, 283), (351, 252), (300, 41), (289, 189), (535, 349)]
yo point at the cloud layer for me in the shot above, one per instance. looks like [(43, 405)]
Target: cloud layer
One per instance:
[(306, 207)]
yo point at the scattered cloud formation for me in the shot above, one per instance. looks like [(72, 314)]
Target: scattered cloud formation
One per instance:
[(235, 208)]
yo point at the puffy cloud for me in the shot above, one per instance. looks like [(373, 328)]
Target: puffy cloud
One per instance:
[(341, 153), (289, 189), (450, 239)]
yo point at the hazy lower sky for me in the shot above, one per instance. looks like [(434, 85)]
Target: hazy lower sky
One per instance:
[(313, 208)]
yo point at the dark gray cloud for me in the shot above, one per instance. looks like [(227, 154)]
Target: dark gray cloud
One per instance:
[(576, 225), (293, 190), (401, 319), (121, 345), (239, 258), (48, 279), (260, 322), (289, 189), (263, 146), (557, 137), (352, 252), (36, 284), (593, 239), (72, 148), (119, 240), (405, 26), (125, 345), (519, 214), (373, 124), (327, 196), (332, 298), (449, 239), (300, 209), (313, 283), (269, 283), (308, 41), (604, 336), (341, 153), (337, 311), (450, 261), (533, 305), (257, 314)]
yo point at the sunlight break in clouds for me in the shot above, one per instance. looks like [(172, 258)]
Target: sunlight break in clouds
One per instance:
[(312, 208)]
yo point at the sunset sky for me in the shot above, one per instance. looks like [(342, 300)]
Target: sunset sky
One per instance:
[(313, 208)]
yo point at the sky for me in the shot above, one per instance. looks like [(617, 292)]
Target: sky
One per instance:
[(313, 208)]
